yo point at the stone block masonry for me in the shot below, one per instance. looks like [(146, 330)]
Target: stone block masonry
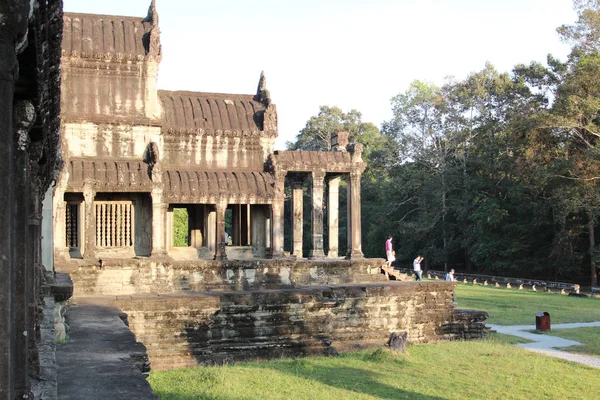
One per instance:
[(205, 328), (129, 276)]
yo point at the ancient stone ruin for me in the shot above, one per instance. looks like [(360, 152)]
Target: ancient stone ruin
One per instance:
[(132, 156)]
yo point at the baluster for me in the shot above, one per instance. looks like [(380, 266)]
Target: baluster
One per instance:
[(104, 225), (127, 224), (68, 226), (98, 224), (121, 225)]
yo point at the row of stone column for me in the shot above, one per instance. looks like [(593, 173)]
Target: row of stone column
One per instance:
[(275, 230), (354, 227)]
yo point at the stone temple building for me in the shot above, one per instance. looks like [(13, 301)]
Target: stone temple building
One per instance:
[(133, 154), (95, 163)]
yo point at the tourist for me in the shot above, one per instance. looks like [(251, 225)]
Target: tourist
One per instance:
[(417, 268), (450, 278), (388, 251)]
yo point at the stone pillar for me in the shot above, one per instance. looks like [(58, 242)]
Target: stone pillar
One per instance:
[(20, 250), (318, 178), (7, 221), (195, 225), (169, 225), (220, 253), (245, 225), (333, 215), (47, 236), (59, 205), (236, 224), (89, 222), (159, 223), (277, 229), (297, 217), (354, 228)]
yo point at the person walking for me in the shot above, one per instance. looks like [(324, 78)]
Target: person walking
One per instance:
[(450, 278), (389, 255), (417, 268)]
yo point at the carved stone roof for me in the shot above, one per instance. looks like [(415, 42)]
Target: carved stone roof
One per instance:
[(195, 186), (331, 161), (196, 112), (110, 176), (103, 36)]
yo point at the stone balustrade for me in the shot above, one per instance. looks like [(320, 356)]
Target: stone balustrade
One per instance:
[(510, 283), (138, 276)]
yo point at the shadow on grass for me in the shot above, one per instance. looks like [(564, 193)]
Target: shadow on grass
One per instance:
[(354, 380)]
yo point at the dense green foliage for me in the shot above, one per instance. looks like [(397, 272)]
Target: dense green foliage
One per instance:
[(451, 370), (180, 227), (494, 174)]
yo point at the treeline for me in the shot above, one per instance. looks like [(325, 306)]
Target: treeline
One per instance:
[(494, 174)]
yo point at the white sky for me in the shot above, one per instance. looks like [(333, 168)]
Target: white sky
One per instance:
[(346, 53)]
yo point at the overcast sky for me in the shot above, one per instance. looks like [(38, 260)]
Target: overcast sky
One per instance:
[(346, 53)]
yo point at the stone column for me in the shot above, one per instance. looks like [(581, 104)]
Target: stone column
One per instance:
[(48, 242), (89, 221), (59, 205), (159, 223), (236, 225), (354, 228), (318, 178), (169, 225), (333, 215), (277, 229), (7, 218), (220, 253), (196, 224), (245, 225), (297, 217), (20, 251)]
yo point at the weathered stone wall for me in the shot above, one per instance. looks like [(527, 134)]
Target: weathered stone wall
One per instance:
[(204, 328), (213, 152), (110, 90), (137, 276), (104, 140), (30, 36)]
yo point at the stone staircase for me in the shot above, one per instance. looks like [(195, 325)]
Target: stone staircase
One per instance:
[(393, 274)]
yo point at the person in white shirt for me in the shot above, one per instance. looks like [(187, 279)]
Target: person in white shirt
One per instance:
[(417, 268), (450, 278)]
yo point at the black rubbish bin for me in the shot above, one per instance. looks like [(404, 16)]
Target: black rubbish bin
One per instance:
[(542, 321)]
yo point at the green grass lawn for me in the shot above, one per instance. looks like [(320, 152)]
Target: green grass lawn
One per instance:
[(589, 337), (453, 370), (490, 369), (518, 307)]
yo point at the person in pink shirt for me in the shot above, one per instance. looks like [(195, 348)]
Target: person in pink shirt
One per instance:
[(389, 253)]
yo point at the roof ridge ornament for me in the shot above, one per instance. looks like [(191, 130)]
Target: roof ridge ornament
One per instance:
[(154, 48), (262, 93)]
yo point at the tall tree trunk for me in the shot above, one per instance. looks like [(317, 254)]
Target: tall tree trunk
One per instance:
[(444, 210), (594, 274)]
